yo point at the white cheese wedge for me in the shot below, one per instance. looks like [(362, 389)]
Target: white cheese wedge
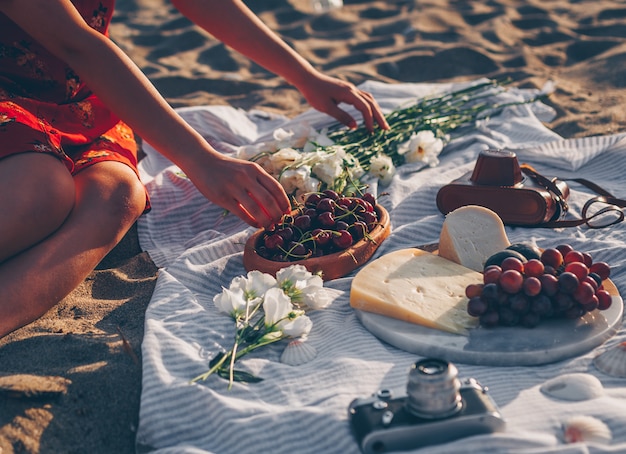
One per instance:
[(470, 235), (417, 287)]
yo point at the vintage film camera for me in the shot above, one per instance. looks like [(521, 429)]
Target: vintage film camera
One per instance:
[(518, 194), (437, 408)]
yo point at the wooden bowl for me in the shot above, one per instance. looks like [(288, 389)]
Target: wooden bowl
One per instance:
[(331, 266)]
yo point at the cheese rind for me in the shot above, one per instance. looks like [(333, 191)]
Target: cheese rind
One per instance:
[(417, 287), (470, 235)]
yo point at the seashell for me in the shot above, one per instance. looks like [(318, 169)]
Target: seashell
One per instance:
[(613, 361), (298, 352), (573, 387), (586, 429)]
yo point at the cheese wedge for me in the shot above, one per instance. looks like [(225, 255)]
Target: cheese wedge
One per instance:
[(470, 235), (417, 287)]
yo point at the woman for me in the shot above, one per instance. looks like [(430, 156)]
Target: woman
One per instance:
[(70, 100)]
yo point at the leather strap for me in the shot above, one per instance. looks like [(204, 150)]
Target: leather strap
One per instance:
[(609, 204)]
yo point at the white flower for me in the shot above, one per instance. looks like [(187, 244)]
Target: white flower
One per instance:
[(231, 302), (258, 283), (285, 157), (293, 275), (330, 164), (316, 296), (423, 147), (293, 179), (298, 326), (276, 305), (381, 166), (303, 287), (353, 166)]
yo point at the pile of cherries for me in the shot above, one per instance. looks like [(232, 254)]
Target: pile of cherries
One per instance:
[(561, 283), (327, 222)]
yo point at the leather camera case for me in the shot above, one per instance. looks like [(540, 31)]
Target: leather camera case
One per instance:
[(498, 183)]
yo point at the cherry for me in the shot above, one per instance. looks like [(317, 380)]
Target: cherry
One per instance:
[(342, 239)]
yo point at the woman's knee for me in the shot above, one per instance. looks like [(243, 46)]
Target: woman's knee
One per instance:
[(38, 195), (114, 190)]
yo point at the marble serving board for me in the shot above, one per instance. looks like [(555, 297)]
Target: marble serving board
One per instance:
[(551, 341)]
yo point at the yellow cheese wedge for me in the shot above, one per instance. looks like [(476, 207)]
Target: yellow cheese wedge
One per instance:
[(470, 235), (417, 287)]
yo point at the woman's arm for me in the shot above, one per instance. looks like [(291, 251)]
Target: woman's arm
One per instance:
[(235, 25), (239, 186)]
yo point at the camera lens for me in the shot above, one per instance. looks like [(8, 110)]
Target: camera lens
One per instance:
[(433, 389)]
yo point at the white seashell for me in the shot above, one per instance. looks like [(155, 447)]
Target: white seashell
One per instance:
[(612, 361), (573, 387), (298, 352), (586, 429)]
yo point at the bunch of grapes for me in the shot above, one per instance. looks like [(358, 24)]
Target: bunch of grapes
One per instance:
[(327, 222), (562, 283)]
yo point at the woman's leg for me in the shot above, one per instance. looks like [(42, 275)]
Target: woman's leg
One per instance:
[(108, 198)]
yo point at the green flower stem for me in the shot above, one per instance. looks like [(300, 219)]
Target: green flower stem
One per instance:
[(212, 370)]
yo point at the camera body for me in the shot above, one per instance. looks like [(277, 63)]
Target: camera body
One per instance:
[(500, 184), (437, 408)]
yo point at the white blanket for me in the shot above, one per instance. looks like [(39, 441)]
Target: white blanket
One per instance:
[(304, 409)]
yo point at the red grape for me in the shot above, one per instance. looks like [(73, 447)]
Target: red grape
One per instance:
[(476, 306), (552, 257), (549, 284), (511, 281), (568, 282), (564, 249), (512, 263), (473, 290), (492, 274), (602, 269), (531, 286), (534, 268), (578, 268), (574, 256), (584, 293), (604, 299)]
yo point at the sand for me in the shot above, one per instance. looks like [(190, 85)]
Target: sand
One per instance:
[(72, 379)]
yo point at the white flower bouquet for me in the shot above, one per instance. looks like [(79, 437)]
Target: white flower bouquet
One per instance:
[(265, 310)]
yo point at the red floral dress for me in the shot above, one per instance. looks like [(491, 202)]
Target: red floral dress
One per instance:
[(45, 107)]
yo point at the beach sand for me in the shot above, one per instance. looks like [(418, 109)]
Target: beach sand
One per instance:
[(77, 371)]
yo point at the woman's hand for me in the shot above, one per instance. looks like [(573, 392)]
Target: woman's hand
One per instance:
[(325, 93), (241, 187)]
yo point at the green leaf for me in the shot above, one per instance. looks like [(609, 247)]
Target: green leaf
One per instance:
[(239, 376), (216, 359)]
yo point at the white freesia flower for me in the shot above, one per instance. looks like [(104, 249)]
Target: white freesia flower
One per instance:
[(381, 166), (285, 157), (303, 287), (330, 165), (293, 179), (316, 297), (296, 325), (231, 302), (291, 275), (258, 283), (423, 146), (276, 305)]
